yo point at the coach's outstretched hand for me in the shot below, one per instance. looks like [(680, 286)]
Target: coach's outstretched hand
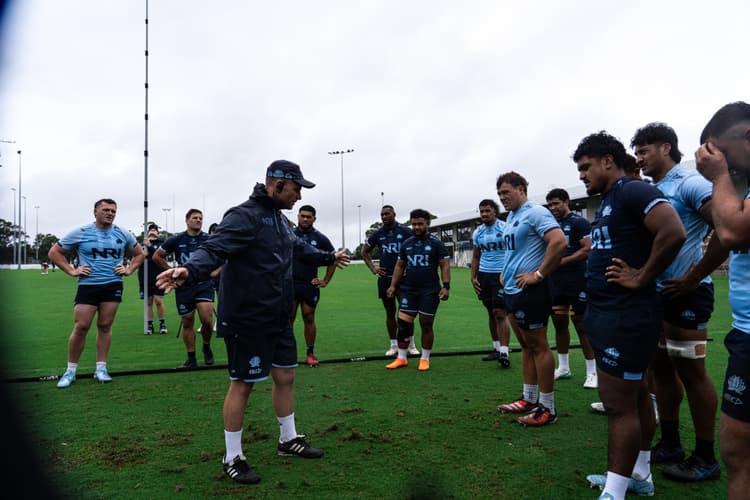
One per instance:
[(171, 279), (342, 259)]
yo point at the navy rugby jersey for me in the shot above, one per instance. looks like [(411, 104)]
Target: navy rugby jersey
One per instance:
[(182, 245), (618, 231), (575, 228), (302, 271), (421, 256), (389, 240)]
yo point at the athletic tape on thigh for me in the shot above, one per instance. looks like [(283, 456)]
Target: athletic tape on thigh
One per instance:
[(687, 349)]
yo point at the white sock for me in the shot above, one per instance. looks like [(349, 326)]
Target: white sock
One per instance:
[(547, 399), (401, 353), (411, 342), (426, 353), (73, 367), (642, 467), (504, 349), (496, 345), (590, 367), (563, 361), (616, 485), (233, 441), (531, 393), (101, 364), (394, 342), (287, 430), (653, 400)]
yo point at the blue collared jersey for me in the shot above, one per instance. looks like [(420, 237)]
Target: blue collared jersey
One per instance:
[(389, 240), (687, 191), (524, 244), (421, 256), (575, 228), (100, 249), (302, 271), (618, 231), (739, 286), (489, 240), (182, 245)]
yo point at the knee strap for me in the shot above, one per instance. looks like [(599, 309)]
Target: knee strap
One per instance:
[(405, 330)]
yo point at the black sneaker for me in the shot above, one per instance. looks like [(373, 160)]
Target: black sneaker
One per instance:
[(492, 356), (663, 453), (238, 470), (149, 330), (208, 356), (504, 360), (693, 469), (188, 365), (298, 447)]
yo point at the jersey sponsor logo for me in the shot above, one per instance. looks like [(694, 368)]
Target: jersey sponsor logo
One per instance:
[(268, 221), (491, 246), (106, 253), (390, 247), (510, 241), (418, 260)]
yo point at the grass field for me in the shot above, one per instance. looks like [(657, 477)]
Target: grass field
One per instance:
[(400, 434)]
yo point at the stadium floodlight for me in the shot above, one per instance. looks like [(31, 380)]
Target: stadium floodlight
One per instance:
[(341, 153)]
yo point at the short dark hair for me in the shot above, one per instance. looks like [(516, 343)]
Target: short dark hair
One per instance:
[(307, 208), (599, 145), (631, 164), (657, 133), (212, 227), (558, 193), (388, 206), (490, 203), (725, 118), (191, 212), (514, 179), (419, 213), (108, 201)]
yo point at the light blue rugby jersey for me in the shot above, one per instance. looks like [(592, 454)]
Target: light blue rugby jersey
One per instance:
[(523, 241), (687, 191), (100, 249), (489, 239), (739, 286)]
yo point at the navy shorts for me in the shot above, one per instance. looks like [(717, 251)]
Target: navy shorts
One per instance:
[(624, 341), (307, 293), (94, 295), (531, 306), (569, 292), (492, 292), (186, 297), (251, 356), (419, 300), (691, 311), (152, 292), (384, 283), (737, 378)]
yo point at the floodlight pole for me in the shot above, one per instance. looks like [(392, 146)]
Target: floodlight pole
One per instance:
[(18, 229), (341, 154), (36, 238), (145, 185)]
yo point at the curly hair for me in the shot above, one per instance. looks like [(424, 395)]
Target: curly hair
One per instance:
[(599, 145), (657, 133)]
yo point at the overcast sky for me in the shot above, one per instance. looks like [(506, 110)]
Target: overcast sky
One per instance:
[(435, 97)]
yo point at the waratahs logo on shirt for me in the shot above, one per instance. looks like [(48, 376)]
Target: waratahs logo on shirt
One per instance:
[(399, 236), (583, 297), (606, 211), (428, 248), (612, 352), (515, 224), (314, 243), (519, 314), (736, 384), (255, 362)]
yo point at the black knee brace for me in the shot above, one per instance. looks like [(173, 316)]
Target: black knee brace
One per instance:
[(405, 330)]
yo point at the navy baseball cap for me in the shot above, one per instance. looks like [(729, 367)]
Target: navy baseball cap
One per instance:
[(283, 169), (153, 226)]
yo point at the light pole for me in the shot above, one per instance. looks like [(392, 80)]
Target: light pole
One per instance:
[(23, 253), (166, 220), (36, 239), (13, 227), (382, 199), (341, 154), (359, 220), (18, 230)]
